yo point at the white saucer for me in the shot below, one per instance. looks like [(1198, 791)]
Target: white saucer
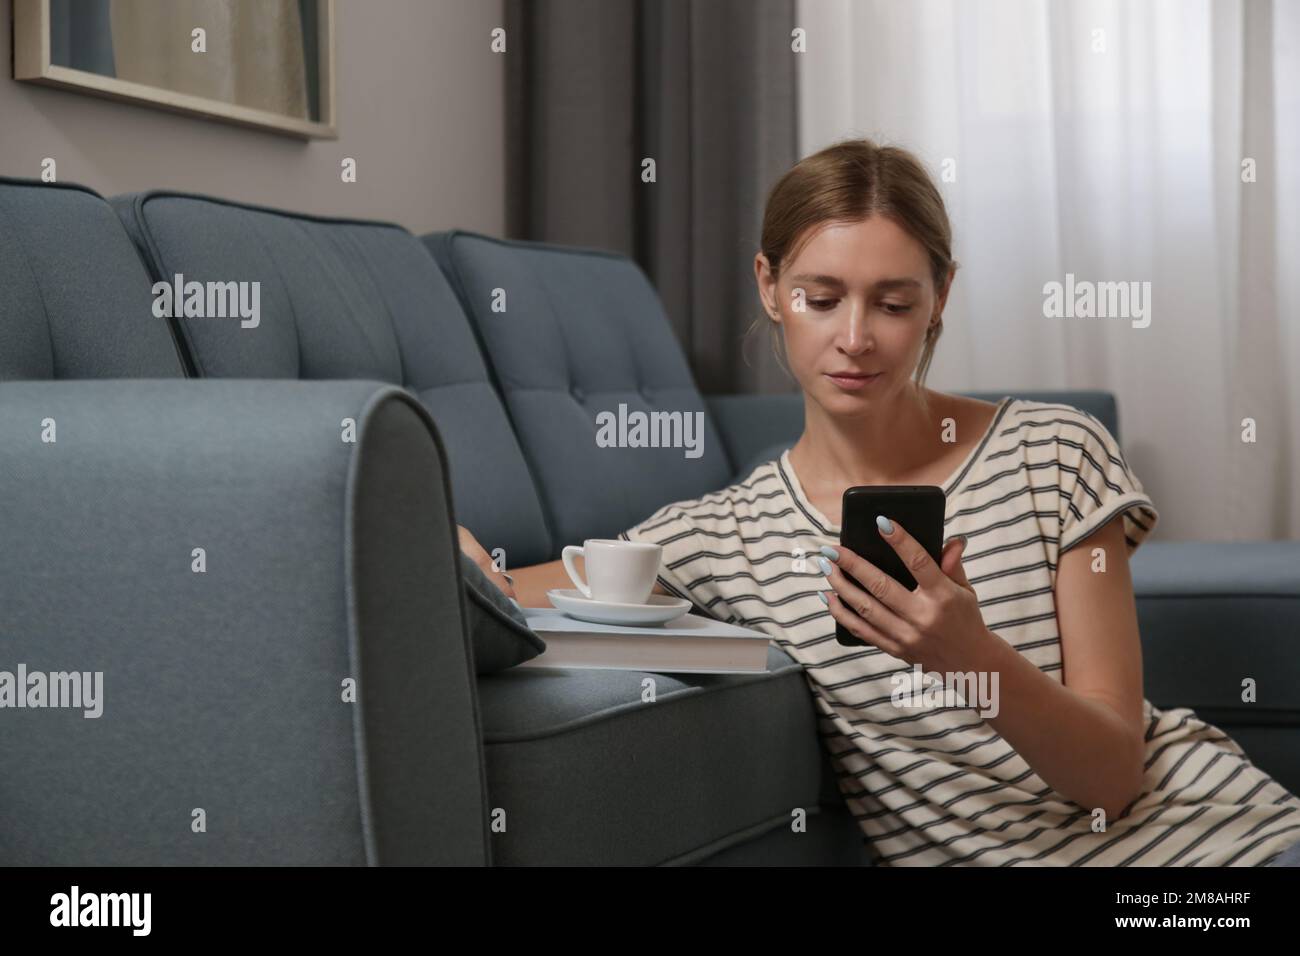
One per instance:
[(661, 608)]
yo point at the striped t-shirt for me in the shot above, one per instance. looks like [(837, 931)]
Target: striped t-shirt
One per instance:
[(936, 786)]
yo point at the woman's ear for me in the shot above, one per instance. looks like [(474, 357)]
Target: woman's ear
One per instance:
[(766, 285), (947, 287)]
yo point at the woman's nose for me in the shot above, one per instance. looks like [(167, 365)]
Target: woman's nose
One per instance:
[(856, 336)]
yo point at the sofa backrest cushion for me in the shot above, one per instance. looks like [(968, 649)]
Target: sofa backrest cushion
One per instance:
[(346, 299), (581, 349), (74, 296)]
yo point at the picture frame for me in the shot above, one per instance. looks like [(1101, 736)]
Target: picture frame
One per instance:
[(34, 61)]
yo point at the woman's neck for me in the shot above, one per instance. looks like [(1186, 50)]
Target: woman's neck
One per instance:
[(892, 439)]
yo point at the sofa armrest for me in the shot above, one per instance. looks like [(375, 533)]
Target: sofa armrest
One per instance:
[(1213, 614), (756, 428), (223, 735)]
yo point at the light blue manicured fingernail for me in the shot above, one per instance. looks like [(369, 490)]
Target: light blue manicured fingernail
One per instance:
[(822, 595), (824, 565), (884, 524), (830, 552)]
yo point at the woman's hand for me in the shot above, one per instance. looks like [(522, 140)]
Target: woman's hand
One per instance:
[(938, 625), (479, 556)]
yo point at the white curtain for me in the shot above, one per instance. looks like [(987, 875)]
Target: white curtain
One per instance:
[(1106, 140)]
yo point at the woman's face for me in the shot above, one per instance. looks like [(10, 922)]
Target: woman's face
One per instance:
[(867, 298)]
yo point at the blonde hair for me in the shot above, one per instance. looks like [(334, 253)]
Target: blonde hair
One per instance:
[(847, 182)]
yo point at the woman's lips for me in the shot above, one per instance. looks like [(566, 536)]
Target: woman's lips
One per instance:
[(851, 384)]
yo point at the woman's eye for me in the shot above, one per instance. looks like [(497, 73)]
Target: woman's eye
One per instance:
[(893, 308)]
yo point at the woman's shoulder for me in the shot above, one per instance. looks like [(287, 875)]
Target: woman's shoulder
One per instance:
[(1057, 419), (761, 483), (1024, 412), (1044, 431), (1063, 434), (717, 508)]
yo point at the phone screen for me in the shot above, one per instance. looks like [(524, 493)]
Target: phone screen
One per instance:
[(918, 508)]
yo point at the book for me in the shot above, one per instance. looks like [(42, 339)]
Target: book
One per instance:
[(691, 644)]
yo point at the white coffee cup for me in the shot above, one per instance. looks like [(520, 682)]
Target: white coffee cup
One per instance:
[(618, 571)]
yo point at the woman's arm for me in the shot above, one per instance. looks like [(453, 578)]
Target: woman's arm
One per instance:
[(532, 582), (1085, 737), (475, 552)]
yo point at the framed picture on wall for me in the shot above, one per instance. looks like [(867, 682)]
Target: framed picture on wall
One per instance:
[(262, 63)]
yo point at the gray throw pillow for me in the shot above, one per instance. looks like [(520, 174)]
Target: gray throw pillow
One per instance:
[(500, 635)]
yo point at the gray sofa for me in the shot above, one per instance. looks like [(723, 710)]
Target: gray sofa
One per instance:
[(473, 369)]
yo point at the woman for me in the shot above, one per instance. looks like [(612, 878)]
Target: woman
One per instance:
[(1075, 767)]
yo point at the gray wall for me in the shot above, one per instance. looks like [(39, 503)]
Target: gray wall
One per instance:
[(421, 109)]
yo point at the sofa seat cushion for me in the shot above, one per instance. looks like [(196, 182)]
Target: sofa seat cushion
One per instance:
[(586, 772), (346, 299), (1213, 614)]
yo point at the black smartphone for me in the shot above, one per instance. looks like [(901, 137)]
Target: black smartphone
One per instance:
[(918, 508)]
